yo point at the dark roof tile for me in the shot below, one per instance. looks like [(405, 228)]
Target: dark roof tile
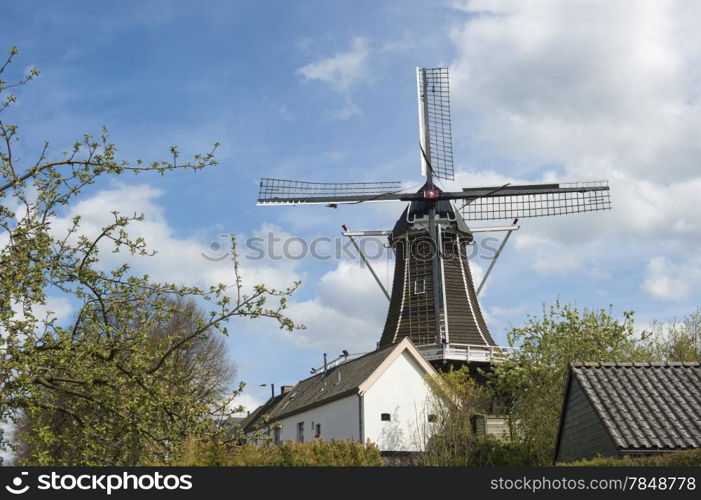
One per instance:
[(255, 418), (646, 406), (336, 382)]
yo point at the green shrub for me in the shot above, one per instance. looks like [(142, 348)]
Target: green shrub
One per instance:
[(687, 458), (492, 450), (483, 450), (288, 454)]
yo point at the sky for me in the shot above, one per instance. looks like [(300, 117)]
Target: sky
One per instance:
[(326, 92)]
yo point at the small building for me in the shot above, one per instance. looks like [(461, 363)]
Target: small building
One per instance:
[(383, 397), (615, 409), (256, 426), (493, 425)]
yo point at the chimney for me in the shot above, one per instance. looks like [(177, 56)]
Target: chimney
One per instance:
[(284, 389), (326, 364)]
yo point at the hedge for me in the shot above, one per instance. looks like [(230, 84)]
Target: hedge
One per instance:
[(686, 458), (288, 454), (480, 451)]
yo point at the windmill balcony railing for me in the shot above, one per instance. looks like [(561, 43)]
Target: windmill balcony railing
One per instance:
[(467, 352)]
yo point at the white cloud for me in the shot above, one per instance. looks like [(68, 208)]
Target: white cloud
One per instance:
[(282, 111), (6, 456), (343, 70), (507, 311), (548, 257), (55, 307), (601, 87), (180, 260), (571, 76), (348, 311), (335, 156), (4, 239), (348, 110), (478, 272), (598, 90), (248, 402), (668, 281)]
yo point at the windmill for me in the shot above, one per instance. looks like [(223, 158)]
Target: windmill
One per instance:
[(433, 299)]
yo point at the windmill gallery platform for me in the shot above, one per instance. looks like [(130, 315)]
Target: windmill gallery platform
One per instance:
[(434, 319)]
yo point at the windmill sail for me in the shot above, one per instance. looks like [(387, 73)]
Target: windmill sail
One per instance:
[(434, 122), (289, 192), (540, 200)]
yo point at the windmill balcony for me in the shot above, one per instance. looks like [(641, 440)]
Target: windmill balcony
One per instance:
[(466, 352)]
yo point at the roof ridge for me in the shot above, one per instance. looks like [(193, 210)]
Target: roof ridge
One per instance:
[(634, 364), (346, 363)]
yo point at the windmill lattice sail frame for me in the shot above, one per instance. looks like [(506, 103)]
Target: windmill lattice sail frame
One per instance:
[(562, 199), (434, 88), (290, 192)]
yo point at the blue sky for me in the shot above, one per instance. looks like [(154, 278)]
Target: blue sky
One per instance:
[(325, 91)]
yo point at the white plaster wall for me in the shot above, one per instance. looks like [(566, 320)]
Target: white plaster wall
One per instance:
[(402, 392), (339, 420)]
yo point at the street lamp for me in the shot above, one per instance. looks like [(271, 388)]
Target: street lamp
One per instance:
[(272, 389)]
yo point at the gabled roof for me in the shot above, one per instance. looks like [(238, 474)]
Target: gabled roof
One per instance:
[(353, 377), (645, 406), (254, 419)]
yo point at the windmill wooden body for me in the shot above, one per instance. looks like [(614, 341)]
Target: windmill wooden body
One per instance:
[(434, 298)]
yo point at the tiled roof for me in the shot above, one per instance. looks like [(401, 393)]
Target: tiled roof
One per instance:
[(337, 382), (646, 406), (252, 420)]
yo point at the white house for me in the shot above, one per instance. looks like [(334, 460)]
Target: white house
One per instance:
[(382, 397)]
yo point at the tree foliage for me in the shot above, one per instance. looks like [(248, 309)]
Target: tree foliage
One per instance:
[(456, 397), (198, 375), (675, 341), (531, 383), (529, 386), (104, 372)]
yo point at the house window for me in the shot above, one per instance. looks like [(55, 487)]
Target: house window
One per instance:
[(385, 417), (300, 432), (317, 432), (277, 435), (419, 286), (432, 418)]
